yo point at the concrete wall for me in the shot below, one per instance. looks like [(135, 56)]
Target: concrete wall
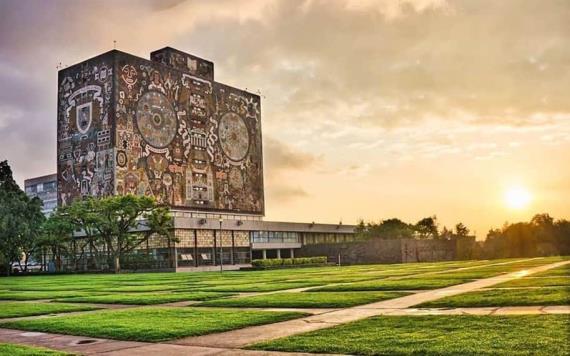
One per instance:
[(391, 251)]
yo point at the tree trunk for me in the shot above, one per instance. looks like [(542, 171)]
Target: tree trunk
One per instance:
[(117, 263)]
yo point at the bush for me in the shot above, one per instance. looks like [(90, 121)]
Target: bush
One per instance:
[(277, 262)]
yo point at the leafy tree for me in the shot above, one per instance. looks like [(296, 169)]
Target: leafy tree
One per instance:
[(30, 230), (446, 234), (386, 229), (20, 218), (84, 216), (426, 228), (57, 236), (125, 222), (394, 229), (461, 230), (541, 236)]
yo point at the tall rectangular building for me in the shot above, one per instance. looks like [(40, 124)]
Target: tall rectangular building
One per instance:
[(161, 127), (45, 188)]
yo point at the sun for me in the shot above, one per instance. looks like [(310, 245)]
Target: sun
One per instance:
[(517, 197)]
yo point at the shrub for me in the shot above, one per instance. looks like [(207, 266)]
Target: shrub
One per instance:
[(277, 262)]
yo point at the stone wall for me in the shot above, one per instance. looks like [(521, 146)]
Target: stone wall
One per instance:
[(391, 251)]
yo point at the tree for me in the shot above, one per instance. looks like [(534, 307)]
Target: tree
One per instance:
[(84, 216), (125, 222), (30, 230), (461, 230), (394, 229), (427, 228), (56, 236), (19, 220), (446, 234)]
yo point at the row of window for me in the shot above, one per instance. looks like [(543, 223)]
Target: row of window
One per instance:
[(40, 187), (191, 214), (275, 236)]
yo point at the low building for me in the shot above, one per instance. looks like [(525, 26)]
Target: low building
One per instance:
[(45, 188)]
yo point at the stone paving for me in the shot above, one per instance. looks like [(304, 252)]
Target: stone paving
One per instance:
[(229, 343)]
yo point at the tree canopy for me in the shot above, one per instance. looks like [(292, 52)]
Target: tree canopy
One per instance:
[(20, 221)]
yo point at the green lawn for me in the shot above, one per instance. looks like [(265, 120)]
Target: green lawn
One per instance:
[(504, 297), (146, 298), (305, 300), (436, 335), (260, 287), (34, 295), (22, 350), (152, 324), (560, 271), (144, 288), (536, 282), (392, 284), (18, 309)]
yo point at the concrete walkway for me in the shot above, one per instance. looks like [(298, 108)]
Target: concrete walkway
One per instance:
[(243, 337), (95, 346), (522, 310)]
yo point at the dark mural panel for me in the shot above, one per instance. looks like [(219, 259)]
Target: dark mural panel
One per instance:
[(184, 139), (85, 160)]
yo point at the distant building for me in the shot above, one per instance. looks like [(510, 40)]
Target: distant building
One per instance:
[(45, 188)]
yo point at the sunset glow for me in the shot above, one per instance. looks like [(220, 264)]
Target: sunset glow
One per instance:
[(517, 197)]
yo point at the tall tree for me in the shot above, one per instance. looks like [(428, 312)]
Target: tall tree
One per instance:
[(461, 230), (30, 230), (13, 204), (427, 228), (125, 222)]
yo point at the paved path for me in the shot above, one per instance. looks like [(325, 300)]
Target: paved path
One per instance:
[(243, 337), (522, 310), (95, 346)]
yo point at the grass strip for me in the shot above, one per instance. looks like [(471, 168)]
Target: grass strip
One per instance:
[(152, 324), (392, 284), (504, 298), (435, 335), (24, 350), (146, 298), (305, 300), (20, 309)]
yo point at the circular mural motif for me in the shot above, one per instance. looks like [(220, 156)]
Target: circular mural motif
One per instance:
[(234, 136), (156, 120), (121, 159)]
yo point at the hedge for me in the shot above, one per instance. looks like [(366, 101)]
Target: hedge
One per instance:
[(276, 262)]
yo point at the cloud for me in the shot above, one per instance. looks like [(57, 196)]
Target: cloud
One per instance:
[(285, 194), (280, 156)]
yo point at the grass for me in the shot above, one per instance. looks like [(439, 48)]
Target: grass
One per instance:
[(146, 298), (505, 297), (305, 300), (143, 288), (19, 309), (392, 284), (22, 350), (36, 295), (152, 324), (536, 282), (563, 271), (260, 287), (436, 335)]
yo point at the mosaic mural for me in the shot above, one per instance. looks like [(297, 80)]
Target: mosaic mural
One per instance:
[(180, 137), (85, 154)]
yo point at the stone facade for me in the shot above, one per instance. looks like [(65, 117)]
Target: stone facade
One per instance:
[(391, 251)]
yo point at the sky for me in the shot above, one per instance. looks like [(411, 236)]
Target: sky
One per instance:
[(370, 109)]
